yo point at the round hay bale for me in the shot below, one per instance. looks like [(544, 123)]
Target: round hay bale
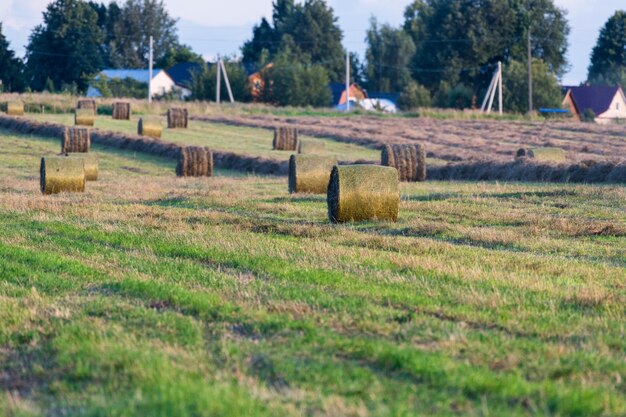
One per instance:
[(15, 108), (311, 146), (195, 161), (75, 139), (547, 154), (285, 139), (177, 117), (409, 160), (84, 117), (90, 163), (310, 173), (150, 126), (61, 174), (87, 103), (363, 192), (121, 110)]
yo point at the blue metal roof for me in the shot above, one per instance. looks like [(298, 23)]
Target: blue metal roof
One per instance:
[(141, 75)]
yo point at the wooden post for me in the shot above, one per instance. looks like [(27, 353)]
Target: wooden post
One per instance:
[(347, 81), (530, 75), (500, 87), (218, 87), (230, 91), (150, 70)]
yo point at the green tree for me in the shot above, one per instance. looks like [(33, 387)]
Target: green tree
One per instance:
[(204, 82), (389, 53), (413, 96), (65, 48), (608, 58), (11, 68), (108, 15), (546, 90), (178, 55)]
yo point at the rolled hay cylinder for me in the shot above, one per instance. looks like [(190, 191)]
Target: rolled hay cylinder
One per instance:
[(363, 192), (195, 161), (75, 140), (310, 173), (285, 138), (546, 154), (121, 110), (62, 174), (409, 160), (311, 146), (90, 164), (15, 108), (84, 117), (149, 126), (87, 103), (177, 117)]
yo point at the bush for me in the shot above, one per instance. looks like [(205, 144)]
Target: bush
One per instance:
[(413, 96), (588, 116), (460, 97)]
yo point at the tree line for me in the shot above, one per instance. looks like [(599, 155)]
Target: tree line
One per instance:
[(444, 53)]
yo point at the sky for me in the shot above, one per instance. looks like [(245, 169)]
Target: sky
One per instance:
[(220, 27)]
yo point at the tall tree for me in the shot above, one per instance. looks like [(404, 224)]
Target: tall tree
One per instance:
[(546, 90), (11, 68), (66, 47), (107, 18), (608, 59)]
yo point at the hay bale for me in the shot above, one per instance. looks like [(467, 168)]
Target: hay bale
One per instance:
[(311, 146), (75, 139), (285, 139), (195, 161), (87, 103), (84, 117), (61, 174), (15, 108), (310, 173), (90, 164), (177, 117), (363, 192), (409, 160), (121, 110), (150, 126), (546, 154)]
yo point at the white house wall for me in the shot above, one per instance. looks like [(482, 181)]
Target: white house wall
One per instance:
[(616, 111), (161, 84)]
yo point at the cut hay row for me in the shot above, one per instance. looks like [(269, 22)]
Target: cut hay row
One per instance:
[(75, 139), (90, 164), (177, 118), (409, 160), (121, 110), (61, 174), (15, 108), (542, 154), (84, 117), (195, 161), (310, 173), (285, 138), (87, 103), (311, 146), (149, 126), (363, 192)]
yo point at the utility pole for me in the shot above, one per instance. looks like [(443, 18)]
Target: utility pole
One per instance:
[(230, 91), (530, 76), (150, 70), (500, 87), (218, 89), (347, 81)]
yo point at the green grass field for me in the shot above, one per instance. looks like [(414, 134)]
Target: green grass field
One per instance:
[(151, 295)]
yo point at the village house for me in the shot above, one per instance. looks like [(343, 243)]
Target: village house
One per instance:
[(160, 84), (607, 103)]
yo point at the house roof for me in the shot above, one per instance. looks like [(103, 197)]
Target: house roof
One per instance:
[(182, 73), (141, 75), (595, 97)]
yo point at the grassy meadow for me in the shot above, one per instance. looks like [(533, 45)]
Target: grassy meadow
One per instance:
[(151, 295)]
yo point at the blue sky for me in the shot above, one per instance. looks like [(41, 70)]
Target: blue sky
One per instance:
[(213, 27)]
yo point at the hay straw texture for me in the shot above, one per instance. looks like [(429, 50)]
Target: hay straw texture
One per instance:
[(62, 174), (84, 117), (195, 161), (542, 154), (15, 108), (90, 163), (409, 160), (310, 173), (311, 146), (87, 103), (121, 110), (177, 117), (363, 192), (75, 139), (149, 126), (285, 139)]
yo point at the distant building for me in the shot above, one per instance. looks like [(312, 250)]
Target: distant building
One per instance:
[(255, 78), (182, 75), (338, 90), (607, 103), (160, 84)]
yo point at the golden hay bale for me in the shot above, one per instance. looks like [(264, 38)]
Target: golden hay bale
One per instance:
[(150, 126), (285, 138), (311, 146), (90, 163), (84, 117), (310, 173), (121, 110), (60, 173), (363, 192), (15, 108), (409, 160), (177, 117), (75, 139), (195, 161), (546, 154), (87, 103)]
